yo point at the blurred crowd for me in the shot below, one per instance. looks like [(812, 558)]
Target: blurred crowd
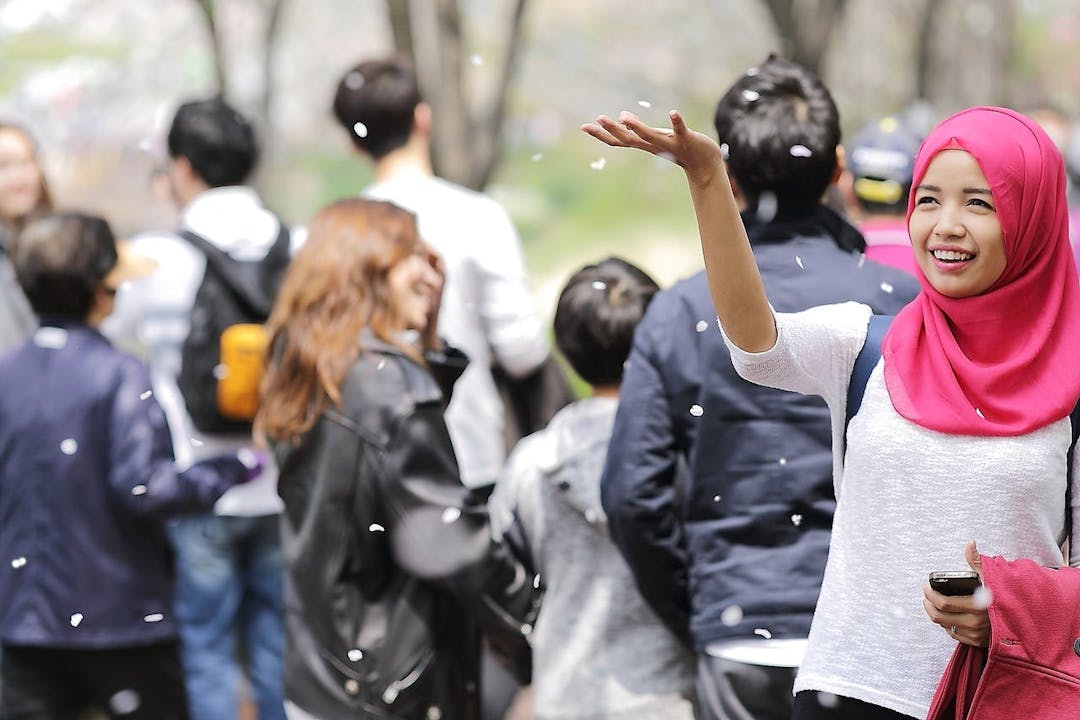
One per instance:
[(337, 470)]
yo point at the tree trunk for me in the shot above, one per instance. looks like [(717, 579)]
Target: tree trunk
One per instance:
[(401, 27), (209, 15), (487, 138), (805, 27), (931, 17), (465, 136), (965, 53), (270, 42), (452, 136)]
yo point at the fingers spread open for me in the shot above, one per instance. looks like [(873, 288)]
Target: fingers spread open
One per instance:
[(656, 137), (601, 134)]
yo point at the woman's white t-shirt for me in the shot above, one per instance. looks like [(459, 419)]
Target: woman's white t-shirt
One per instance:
[(908, 499)]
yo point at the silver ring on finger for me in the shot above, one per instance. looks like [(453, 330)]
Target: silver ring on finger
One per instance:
[(952, 630)]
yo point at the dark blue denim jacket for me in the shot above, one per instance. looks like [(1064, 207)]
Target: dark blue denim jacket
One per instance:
[(86, 481), (749, 524)]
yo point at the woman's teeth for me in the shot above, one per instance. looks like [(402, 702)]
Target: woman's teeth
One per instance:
[(951, 255)]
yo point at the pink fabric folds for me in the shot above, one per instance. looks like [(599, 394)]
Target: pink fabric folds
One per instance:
[(1031, 669), (1005, 362)]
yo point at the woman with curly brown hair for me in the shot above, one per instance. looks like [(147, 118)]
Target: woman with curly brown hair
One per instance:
[(387, 558)]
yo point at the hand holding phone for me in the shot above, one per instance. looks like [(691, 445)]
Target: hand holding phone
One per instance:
[(955, 582)]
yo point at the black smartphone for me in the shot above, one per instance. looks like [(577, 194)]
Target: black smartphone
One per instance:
[(955, 582)]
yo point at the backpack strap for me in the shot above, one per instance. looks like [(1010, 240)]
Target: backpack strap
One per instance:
[(1074, 422), (865, 363), (867, 360), (255, 290)]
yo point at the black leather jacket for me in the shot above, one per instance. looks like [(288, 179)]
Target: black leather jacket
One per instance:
[(391, 568)]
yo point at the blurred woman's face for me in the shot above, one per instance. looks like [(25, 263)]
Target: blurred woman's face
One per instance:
[(20, 176), (413, 284)]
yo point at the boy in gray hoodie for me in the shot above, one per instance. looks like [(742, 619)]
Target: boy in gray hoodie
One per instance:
[(598, 649)]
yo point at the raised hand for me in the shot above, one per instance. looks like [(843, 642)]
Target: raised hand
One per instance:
[(734, 281), (695, 152)]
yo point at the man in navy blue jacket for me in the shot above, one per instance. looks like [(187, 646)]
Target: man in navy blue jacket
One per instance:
[(86, 480), (719, 492)]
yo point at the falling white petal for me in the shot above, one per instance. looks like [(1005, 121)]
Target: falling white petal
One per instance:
[(731, 616), (125, 702)]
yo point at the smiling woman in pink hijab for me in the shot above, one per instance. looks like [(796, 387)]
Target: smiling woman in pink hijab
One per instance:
[(963, 431), (988, 350)]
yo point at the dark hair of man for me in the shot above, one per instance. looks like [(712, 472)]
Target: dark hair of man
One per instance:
[(596, 316), (376, 104), (781, 128), (60, 260), (217, 140)]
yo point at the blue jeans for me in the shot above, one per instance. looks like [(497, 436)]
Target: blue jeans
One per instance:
[(229, 604)]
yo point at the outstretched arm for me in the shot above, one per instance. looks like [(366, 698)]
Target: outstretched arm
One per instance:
[(734, 282)]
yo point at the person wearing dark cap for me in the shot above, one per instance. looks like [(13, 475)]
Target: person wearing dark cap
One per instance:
[(879, 165), (86, 481)]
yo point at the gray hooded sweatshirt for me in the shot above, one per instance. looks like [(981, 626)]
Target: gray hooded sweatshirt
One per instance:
[(598, 650)]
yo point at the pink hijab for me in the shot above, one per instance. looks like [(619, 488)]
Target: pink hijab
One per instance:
[(1005, 362)]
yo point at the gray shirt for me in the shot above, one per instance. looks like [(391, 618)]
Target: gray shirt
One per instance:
[(598, 650)]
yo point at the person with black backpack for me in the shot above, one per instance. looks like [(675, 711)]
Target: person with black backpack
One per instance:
[(199, 318)]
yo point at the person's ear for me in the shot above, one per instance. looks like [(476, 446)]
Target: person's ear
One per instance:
[(181, 169), (102, 304), (740, 199), (841, 165), (422, 119)]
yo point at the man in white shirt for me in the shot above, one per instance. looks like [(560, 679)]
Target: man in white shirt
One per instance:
[(487, 308), (229, 563)]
